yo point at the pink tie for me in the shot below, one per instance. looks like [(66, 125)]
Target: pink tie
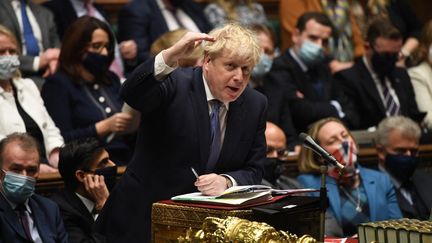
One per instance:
[(90, 9)]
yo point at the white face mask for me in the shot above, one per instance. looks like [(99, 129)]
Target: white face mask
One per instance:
[(8, 66)]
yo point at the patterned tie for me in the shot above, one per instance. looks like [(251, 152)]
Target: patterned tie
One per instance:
[(22, 212), (30, 41), (215, 134), (391, 105), (173, 10)]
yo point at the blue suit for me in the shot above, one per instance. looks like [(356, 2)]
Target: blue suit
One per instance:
[(46, 216), (174, 136), (142, 21), (378, 187)]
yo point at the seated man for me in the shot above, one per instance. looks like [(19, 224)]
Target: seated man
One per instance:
[(277, 153), (397, 142), (300, 87), (88, 174), (375, 85), (25, 216)]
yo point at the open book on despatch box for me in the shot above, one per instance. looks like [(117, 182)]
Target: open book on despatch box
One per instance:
[(238, 195)]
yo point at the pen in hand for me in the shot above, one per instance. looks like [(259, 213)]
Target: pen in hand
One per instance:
[(194, 172)]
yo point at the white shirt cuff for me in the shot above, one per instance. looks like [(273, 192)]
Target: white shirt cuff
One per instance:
[(161, 69), (233, 181), (36, 62)]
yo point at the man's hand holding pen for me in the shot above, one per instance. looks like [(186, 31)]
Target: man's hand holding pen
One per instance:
[(210, 184)]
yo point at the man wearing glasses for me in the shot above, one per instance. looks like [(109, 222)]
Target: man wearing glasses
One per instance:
[(397, 143)]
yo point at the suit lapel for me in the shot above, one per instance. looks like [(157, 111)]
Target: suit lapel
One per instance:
[(370, 189), (39, 220), (369, 84), (11, 216), (202, 120), (232, 134), (79, 206), (7, 5), (40, 21), (334, 197)]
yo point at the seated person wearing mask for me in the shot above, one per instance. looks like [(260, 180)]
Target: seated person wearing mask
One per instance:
[(25, 216), (300, 87), (397, 144), (88, 174), (277, 154), (358, 196)]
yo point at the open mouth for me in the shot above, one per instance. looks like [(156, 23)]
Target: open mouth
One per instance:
[(233, 89)]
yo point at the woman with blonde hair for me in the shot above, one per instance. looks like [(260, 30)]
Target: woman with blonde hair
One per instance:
[(359, 195), (245, 12), (21, 106), (421, 75)]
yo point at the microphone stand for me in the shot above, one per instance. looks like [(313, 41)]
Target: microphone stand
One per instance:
[(323, 201)]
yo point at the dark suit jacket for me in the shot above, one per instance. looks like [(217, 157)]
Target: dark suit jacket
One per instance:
[(142, 21), (174, 136), (295, 114), (64, 14), (77, 219), (421, 181), (46, 23), (359, 86), (46, 217)]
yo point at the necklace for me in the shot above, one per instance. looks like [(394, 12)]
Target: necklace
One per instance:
[(357, 202)]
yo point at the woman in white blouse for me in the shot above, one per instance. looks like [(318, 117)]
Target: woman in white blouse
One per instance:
[(21, 106), (421, 75)]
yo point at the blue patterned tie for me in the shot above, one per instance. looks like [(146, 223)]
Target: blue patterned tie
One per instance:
[(215, 134), (390, 104), (29, 38)]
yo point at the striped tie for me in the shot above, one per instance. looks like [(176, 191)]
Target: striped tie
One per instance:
[(391, 106), (215, 134)]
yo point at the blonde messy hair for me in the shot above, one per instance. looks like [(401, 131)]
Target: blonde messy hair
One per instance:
[(235, 41), (308, 162), (8, 33)]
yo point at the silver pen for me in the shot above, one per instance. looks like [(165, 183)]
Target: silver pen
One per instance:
[(194, 172)]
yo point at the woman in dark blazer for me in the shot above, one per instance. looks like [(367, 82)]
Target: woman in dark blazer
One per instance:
[(82, 96)]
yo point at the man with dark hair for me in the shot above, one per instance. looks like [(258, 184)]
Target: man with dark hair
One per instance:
[(375, 85), (25, 216), (88, 174), (397, 145), (300, 87)]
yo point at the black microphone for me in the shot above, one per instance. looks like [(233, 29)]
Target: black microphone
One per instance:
[(309, 143)]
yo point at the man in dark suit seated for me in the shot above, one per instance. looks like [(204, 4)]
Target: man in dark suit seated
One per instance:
[(25, 216), (300, 87), (143, 21), (376, 86), (397, 143), (88, 174), (206, 118)]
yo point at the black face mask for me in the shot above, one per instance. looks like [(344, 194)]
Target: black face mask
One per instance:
[(110, 176), (273, 168), (384, 63), (96, 64), (402, 167)]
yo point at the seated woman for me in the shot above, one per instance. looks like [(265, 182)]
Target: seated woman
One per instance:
[(421, 75), (358, 196), (82, 97), (21, 106)]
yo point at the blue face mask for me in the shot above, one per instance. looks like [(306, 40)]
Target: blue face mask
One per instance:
[(401, 167), (18, 188), (311, 53), (262, 67)]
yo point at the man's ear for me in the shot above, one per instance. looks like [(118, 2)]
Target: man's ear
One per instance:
[(79, 175), (295, 36), (380, 152), (206, 62)]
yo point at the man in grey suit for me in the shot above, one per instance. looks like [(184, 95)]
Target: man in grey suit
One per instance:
[(32, 23)]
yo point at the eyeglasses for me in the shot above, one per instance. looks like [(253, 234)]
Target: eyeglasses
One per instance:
[(281, 152), (99, 46)]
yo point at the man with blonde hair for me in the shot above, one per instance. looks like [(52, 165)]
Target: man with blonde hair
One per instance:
[(397, 144), (206, 118)]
